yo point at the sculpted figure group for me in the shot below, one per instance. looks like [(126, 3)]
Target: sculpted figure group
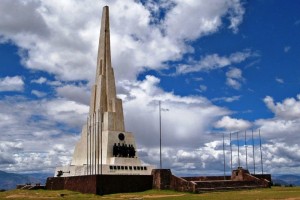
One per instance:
[(124, 150)]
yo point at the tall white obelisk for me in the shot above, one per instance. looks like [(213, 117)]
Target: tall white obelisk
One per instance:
[(104, 147)]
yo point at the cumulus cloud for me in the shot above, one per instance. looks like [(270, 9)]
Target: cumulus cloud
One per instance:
[(284, 126), (14, 83), (289, 109), (207, 18), (141, 104), (232, 124), (31, 131), (75, 93), (49, 42)]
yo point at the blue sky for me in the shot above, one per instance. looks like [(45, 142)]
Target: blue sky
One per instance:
[(221, 67)]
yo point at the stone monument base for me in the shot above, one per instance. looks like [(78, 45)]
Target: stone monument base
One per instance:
[(101, 184)]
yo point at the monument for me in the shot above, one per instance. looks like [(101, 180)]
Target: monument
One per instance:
[(105, 147), (105, 159)]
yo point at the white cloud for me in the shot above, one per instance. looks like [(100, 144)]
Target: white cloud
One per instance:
[(49, 42), (232, 124), (67, 112), (289, 109), (227, 99), (202, 88), (40, 80), (279, 80), (141, 104), (236, 15), (285, 125), (234, 78), (43, 128), (214, 61), (207, 18), (38, 93), (80, 94), (31, 131), (14, 83)]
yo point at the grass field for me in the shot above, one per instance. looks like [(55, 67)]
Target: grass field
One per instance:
[(289, 193)]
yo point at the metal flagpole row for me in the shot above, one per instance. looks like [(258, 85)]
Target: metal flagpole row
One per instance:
[(253, 153), (246, 151)]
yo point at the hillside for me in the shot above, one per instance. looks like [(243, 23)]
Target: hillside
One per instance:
[(286, 179), (10, 180)]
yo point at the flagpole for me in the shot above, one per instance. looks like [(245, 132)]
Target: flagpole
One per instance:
[(87, 146), (261, 158), (230, 154), (224, 156), (238, 143), (246, 149), (160, 158), (253, 153)]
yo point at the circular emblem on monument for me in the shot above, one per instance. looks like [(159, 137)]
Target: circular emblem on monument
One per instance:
[(121, 136)]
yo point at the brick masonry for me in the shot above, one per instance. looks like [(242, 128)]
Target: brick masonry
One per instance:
[(240, 179), (161, 179), (101, 184)]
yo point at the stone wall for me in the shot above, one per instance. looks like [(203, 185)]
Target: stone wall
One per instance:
[(182, 185), (240, 179), (101, 184), (161, 179), (263, 176), (207, 178)]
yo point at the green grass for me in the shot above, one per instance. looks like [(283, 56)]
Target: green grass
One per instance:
[(289, 193)]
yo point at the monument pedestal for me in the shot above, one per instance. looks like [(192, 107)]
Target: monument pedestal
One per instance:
[(101, 184)]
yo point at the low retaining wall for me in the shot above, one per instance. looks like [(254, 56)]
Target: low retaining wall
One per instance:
[(163, 179), (263, 176), (240, 179), (207, 178), (182, 185), (101, 184)]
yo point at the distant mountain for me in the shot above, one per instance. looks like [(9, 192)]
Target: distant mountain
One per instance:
[(10, 180), (287, 179)]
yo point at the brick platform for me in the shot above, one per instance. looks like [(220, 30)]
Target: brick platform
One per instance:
[(101, 184), (161, 179)]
